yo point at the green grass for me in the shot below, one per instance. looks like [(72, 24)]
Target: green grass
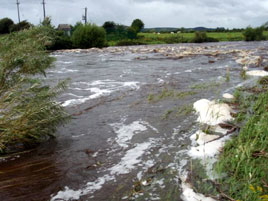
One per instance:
[(226, 36), (245, 158), (167, 38), (208, 85), (184, 110), (168, 93)]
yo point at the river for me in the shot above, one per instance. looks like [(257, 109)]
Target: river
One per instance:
[(129, 134)]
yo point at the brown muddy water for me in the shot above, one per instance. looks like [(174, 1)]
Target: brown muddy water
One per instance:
[(129, 136)]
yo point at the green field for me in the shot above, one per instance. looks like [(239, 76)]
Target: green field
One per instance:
[(221, 36), (168, 38)]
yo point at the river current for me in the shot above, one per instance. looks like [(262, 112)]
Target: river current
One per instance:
[(129, 137)]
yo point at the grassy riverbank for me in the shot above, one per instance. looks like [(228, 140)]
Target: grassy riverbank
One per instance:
[(168, 38), (245, 158)]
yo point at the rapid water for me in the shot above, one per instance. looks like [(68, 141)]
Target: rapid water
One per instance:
[(120, 145)]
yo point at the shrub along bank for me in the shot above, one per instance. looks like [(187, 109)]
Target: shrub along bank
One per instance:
[(29, 113), (88, 35)]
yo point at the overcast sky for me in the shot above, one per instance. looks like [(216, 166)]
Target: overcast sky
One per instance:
[(154, 13)]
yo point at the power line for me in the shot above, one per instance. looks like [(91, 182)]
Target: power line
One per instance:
[(44, 9), (18, 8), (84, 17)]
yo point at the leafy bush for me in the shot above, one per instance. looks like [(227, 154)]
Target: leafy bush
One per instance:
[(256, 34), (131, 33), (29, 113), (61, 41), (201, 37), (5, 25), (20, 26), (109, 27), (120, 32), (89, 35)]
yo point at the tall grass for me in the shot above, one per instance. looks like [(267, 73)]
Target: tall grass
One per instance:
[(245, 158), (29, 112)]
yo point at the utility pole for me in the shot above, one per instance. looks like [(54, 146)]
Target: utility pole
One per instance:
[(84, 17), (18, 8), (44, 8)]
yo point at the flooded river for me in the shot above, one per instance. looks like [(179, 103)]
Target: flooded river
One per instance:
[(131, 121)]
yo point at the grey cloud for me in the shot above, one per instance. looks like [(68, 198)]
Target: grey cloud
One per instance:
[(176, 13)]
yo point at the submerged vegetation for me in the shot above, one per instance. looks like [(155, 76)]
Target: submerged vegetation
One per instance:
[(168, 93), (28, 110)]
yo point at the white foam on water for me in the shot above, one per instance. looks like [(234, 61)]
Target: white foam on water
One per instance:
[(212, 113), (127, 163), (210, 149), (160, 81), (139, 175), (70, 94), (228, 96), (96, 94), (77, 136), (133, 85), (201, 138), (63, 70), (258, 73), (98, 82), (188, 194), (131, 158), (188, 71), (205, 146), (67, 194), (98, 89), (67, 62), (126, 132)]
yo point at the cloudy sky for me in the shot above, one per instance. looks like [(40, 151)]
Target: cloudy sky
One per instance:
[(154, 13)]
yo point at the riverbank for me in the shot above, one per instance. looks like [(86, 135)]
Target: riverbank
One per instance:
[(240, 170), (245, 158)]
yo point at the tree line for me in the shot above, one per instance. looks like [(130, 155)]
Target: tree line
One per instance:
[(82, 35), (110, 33)]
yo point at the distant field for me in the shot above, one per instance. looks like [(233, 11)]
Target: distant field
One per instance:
[(229, 36), (151, 38)]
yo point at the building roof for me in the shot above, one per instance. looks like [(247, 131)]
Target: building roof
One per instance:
[(65, 27)]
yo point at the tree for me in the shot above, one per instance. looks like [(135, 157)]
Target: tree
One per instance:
[(75, 27), (131, 33), (138, 25), (265, 25), (47, 22), (61, 41), (251, 34), (109, 27), (20, 26), (29, 112), (5, 25), (89, 35)]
